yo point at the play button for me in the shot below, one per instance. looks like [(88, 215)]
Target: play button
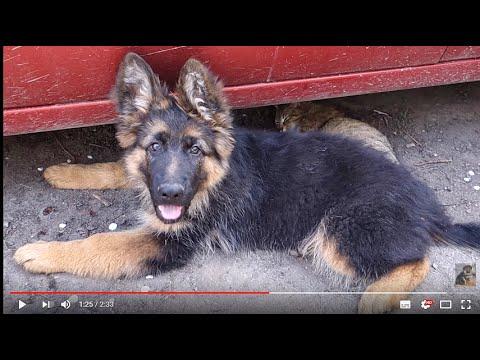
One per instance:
[(21, 304)]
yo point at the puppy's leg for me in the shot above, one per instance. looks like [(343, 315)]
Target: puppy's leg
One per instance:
[(110, 175), (106, 255), (404, 278)]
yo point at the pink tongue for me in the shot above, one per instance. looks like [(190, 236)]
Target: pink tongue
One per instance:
[(170, 212)]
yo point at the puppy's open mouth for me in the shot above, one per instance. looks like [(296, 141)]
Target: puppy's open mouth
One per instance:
[(170, 213)]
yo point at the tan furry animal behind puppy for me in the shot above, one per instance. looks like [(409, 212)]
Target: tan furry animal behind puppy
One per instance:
[(311, 116)]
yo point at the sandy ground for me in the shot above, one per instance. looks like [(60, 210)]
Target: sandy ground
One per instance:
[(440, 124)]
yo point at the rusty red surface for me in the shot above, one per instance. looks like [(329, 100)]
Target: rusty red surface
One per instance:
[(297, 62), (44, 75), (50, 88), (461, 52)]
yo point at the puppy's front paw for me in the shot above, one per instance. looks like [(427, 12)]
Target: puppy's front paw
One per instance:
[(61, 176), (40, 257), (377, 303)]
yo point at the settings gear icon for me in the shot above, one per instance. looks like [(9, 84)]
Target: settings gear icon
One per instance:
[(426, 304)]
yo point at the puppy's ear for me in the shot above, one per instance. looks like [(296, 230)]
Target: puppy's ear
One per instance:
[(137, 90), (201, 93)]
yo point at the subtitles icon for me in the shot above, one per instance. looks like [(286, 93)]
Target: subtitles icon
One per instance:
[(426, 304), (405, 304)]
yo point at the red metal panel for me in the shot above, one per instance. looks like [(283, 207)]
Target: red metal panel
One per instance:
[(56, 117), (89, 113), (356, 83), (461, 52), (44, 75), (236, 65), (298, 62)]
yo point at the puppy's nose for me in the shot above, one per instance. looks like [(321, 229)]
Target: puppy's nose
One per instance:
[(171, 191)]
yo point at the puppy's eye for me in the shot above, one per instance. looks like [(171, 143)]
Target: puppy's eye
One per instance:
[(195, 150), (154, 147)]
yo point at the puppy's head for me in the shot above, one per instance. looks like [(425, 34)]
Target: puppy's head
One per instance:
[(177, 145), (467, 270)]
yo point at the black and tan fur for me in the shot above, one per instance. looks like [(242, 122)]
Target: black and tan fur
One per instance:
[(342, 204)]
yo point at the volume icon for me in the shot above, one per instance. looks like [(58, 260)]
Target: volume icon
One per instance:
[(65, 304)]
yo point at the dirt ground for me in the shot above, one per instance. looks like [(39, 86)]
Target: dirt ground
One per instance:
[(435, 132)]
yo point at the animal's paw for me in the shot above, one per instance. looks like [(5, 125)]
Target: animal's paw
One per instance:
[(40, 257), (377, 303), (61, 176)]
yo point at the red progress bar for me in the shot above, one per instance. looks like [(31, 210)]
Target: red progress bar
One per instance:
[(139, 292)]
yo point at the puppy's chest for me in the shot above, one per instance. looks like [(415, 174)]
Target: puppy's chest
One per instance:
[(216, 239), (273, 233)]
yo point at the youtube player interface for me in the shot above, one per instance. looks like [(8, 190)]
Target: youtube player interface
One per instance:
[(340, 194), (213, 292)]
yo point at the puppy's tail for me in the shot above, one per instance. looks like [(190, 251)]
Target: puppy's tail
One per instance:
[(463, 235)]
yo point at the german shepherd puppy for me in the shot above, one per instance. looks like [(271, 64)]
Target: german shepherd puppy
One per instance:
[(336, 201), (467, 277)]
